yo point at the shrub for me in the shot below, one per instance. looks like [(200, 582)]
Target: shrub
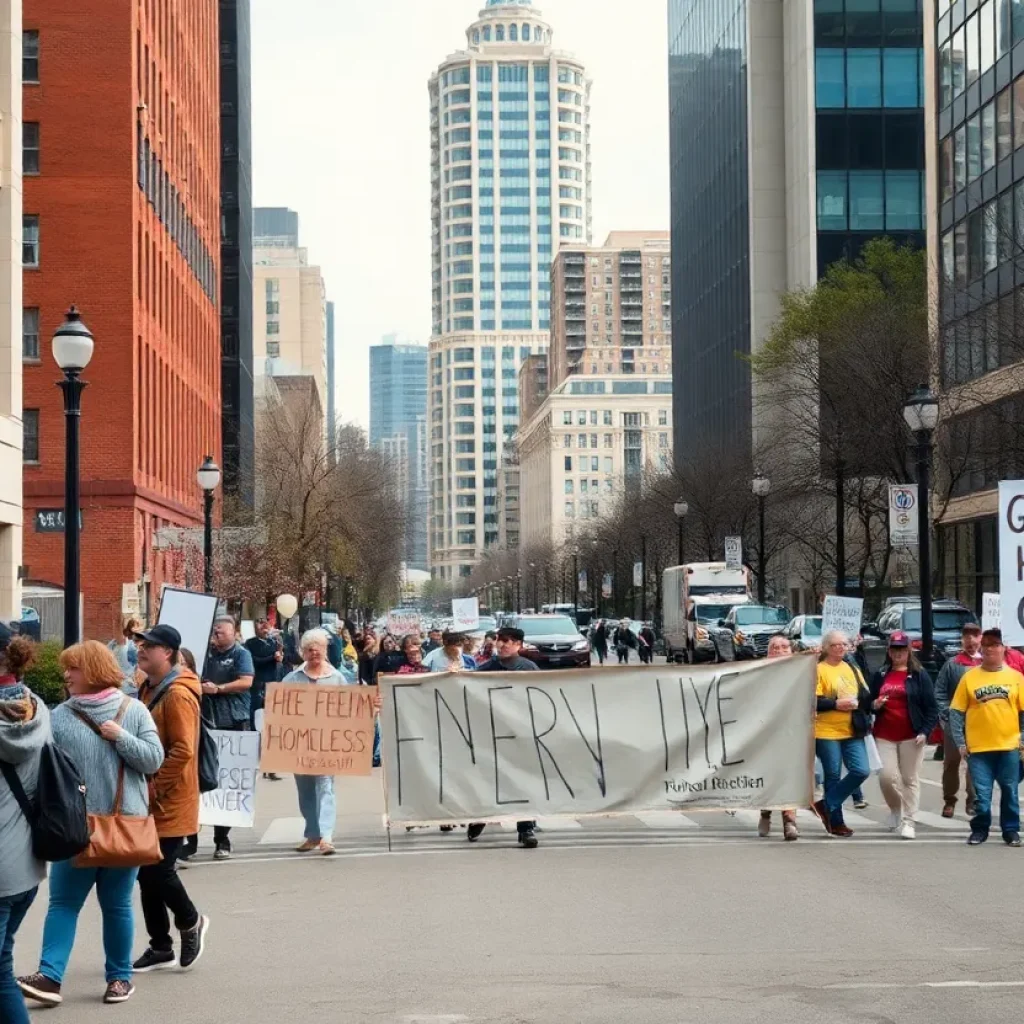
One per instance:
[(45, 678)]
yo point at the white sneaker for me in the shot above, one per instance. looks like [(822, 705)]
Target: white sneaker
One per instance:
[(907, 831), (893, 820)]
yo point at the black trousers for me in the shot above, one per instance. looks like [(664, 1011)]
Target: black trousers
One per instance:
[(160, 890)]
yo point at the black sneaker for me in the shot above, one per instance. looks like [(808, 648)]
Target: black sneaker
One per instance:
[(528, 839), (193, 942), (474, 832), (155, 960), (976, 838), (1011, 838)]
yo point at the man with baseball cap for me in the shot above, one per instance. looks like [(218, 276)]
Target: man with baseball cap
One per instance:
[(952, 671), (172, 694), (508, 658)]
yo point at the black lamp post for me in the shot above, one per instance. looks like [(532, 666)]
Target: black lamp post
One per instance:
[(681, 509), (208, 477), (519, 592), (533, 573), (643, 577), (576, 583), (761, 485), (595, 582), (921, 414), (72, 349)]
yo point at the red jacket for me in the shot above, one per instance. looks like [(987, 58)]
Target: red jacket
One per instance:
[(1014, 659)]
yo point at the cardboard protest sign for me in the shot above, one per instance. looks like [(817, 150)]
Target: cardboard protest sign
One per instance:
[(318, 730), (843, 613), (403, 621), (233, 802), (473, 747), (991, 611)]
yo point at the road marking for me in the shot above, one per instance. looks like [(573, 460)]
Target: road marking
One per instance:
[(860, 985), (666, 819), (550, 823), (283, 830), (938, 821), (436, 1018), (931, 782)]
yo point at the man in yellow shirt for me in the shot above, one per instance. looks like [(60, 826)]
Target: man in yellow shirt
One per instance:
[(985, 717), (838, 732)]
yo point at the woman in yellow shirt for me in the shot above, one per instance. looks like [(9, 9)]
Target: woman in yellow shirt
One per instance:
[(844, 703)]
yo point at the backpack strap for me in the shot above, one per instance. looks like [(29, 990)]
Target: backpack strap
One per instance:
[(125, 703), (11, 775)]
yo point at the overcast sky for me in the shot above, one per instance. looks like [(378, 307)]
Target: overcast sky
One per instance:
[(341, 134)]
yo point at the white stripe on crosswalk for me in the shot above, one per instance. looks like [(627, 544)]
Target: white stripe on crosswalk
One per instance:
[(666, 819), (283, 830), (938, 821), (551, 823)]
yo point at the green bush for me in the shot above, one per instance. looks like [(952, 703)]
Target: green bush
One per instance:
[(45, 678)]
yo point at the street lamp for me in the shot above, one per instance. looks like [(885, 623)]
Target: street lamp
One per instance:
[(519, 594), (681, 509), (533, 573), (72, 349), (576, 583), (761, 485), (922, 414), (594, 582), (208, 477)]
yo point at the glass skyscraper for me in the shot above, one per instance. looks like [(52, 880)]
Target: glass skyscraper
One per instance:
[(510, 178)]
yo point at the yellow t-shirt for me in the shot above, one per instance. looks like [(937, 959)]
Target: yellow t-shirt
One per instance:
[(835, 681), (991, 702)]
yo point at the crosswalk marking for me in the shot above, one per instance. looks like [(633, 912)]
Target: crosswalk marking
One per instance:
[(938, 821), (666, 819), (283, 830), (551, 823)]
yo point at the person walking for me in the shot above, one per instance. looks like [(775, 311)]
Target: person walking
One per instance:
[(267, 656), (173, 696), (450, 656), (389, 659), (413, 656), (509, 659), (599, 640), (985, 716), (433, 641), (227, 681), (842, 722), (126, 654), (487, 648), (952, 671), (114, 743), (367, 657), (779, 647), (645, 644), (903, 700), (624, 640), (24, 731)]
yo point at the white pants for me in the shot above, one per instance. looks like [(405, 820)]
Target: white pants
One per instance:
[(899, 778)]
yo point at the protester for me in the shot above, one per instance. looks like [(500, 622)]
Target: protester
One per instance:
[(433, 641), (125, 653), (227, 680), (348, 650), (779, 647), (413, 656), (487, 648), (24, 731), (468, 647), (267, 655), (110, 737), (188, 659), (599, 640), (843, 718), (624, 640), (903, 700), (855, 656), (173, 696), (952, 671), (985, 718), (367, 656), (335, 645), (645, 644), (509, 659), (389, 659), (449, 657)]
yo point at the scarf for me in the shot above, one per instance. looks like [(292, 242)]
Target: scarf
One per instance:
[(15, 701)]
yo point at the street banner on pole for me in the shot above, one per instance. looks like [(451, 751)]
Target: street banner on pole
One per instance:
[(638, 574), (582, 580), (1011, 560), (472, 747), (233, 802), (734, 552), (318, 730), (842, 613), (606, 585), (991, 611), (465, 614), (192, 615), (903, 514), (403, 621)]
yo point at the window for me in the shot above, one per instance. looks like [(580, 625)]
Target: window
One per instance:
[(663, 417), (567, 418), (30, 56), (30, 147), (568, 463), (988, 137), (30, 240), (864, 77), (568, 486), (608, 464), (866, 203), (608, 440), (30, 333), (901, 77), (831, 201), (903, 200), (30, 420), (1004, 128)]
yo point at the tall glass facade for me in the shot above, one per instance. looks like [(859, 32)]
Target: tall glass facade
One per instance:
[(398, 389)]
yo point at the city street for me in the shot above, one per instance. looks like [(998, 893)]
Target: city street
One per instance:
[(606, 922)]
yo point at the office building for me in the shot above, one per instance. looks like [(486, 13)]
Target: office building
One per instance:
[(275, 227), (332, 383), (611, 307), (237, 418), (121, 215), (510, 182), (796, 135)]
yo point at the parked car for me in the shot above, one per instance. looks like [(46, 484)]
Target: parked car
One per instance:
[(552, 641), (753, 625), (948, 619), (804, 632)]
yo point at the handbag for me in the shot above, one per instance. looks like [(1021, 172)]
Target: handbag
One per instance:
[(119, 840), (874, 758)]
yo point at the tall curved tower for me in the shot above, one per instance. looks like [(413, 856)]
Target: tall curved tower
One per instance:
[(510, 181)]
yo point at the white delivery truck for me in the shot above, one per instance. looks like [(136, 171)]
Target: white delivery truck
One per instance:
[(696, 598)]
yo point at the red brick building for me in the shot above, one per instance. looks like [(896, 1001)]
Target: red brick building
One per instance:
[(125, 208)]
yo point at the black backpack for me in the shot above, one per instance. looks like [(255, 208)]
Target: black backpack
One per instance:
[(58, 818), (207, 755)]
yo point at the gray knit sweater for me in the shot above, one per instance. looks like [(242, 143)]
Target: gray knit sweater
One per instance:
[(98, 759)]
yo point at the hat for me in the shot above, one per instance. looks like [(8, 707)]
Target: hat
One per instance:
[(899, 639), (162, 636), (511, 633)]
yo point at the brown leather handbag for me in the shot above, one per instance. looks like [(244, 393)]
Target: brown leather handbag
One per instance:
[(119, 840)]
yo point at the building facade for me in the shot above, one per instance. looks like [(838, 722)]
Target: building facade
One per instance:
[(611, 307), (510, 181), (238, 428), (589, 444), (122, 216), (332, 383), (796, 135)]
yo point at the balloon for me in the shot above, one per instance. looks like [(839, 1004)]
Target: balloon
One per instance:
[(287, 605)]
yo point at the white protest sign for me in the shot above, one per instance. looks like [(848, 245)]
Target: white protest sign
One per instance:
[(465, 614), (991, 611), (403, 621), (903, 514), (638, 574), (233, 802), (248, 629), (734, 552), (192, 615), (474, 747), (1011, 560), (843, 613)]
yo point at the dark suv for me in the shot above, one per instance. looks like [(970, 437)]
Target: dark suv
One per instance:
[(753, 625), (948, 619), (552, 641)]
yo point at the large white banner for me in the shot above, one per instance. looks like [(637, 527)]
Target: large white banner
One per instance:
[(1011, 559), (233, 802), (512, 746)]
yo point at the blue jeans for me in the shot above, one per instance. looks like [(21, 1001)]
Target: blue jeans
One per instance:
[(376, 743), (1002, 766), (69, 887), (12, 912), (833, 754), (316, 805)]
